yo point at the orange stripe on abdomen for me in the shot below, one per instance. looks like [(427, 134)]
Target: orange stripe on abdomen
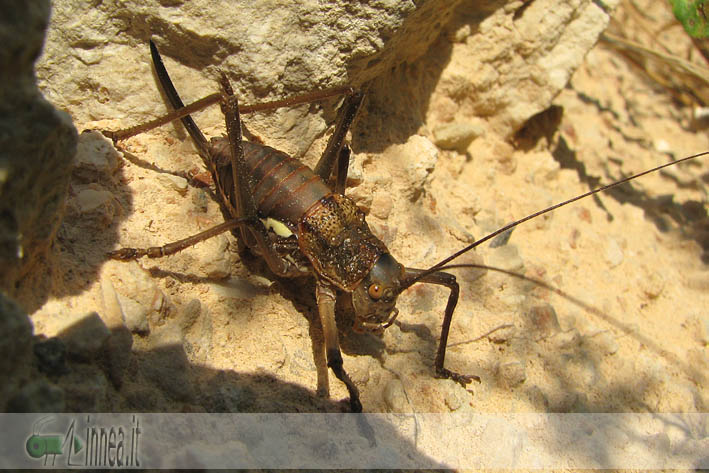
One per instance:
[(283, 187)]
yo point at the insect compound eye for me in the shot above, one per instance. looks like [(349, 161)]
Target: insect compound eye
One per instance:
[(375, 291)]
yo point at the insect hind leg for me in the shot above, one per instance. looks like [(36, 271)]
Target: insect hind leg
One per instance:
[(255, 235), (174, 247)]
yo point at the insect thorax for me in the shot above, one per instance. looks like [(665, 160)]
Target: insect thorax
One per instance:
[(338, 242)]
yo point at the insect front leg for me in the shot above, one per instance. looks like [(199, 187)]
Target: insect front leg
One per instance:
[(326, 298), (449, 281)]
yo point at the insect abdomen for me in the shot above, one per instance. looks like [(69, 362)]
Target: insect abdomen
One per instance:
[(284, 188)]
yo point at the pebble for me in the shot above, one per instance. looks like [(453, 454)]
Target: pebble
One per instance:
[(51, 356), (96, 203), (456, 136), (395, 397), (214, 257), (502, 239), (418, 158), (543, 320), (381, 205), (605, 341), (90, 200), (511, 373), (301, 362), (568, 339), (172, 182), (386, 233), (355, 172), (135, 283), (652, 284), (662, 145), (362, 196), (200, 199), (89, 57), (85, 338), (504, 155), (119, 344), (189, 314), (360, 368), (165, 364), (95, 155), (112, 313), (457, 398), (240, 288), (613, 253), (136, 315), (506, 257)]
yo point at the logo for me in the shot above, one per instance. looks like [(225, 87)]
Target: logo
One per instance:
[(111, 446), (43, 445)]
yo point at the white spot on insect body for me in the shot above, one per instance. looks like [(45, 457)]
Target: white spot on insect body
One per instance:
[(278, 227)]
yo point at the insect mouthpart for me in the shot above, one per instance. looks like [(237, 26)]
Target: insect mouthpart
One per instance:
[(375, 322)]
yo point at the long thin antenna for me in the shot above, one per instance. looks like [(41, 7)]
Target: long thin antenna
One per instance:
[(437, 266)]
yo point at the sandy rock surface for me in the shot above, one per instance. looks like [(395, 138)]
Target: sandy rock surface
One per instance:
[(433, 166)]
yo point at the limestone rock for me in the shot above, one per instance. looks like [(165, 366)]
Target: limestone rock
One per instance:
[(457, 135), (37, 396), (51, 356), (37, 144), (85, 338), (15, 347)]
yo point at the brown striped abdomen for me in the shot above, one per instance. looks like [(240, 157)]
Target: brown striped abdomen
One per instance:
[(284, 188)]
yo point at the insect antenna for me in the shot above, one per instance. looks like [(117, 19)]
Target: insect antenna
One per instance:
[(441, 264), (523, 277)]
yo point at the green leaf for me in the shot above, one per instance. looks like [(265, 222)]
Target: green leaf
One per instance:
[(694, 16)]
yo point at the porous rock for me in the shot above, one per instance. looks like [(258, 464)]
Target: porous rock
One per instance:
[(15, 347), (51, 356), (37, 144), (37, 396), (269, 50), (456, 135), (520, 55)]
